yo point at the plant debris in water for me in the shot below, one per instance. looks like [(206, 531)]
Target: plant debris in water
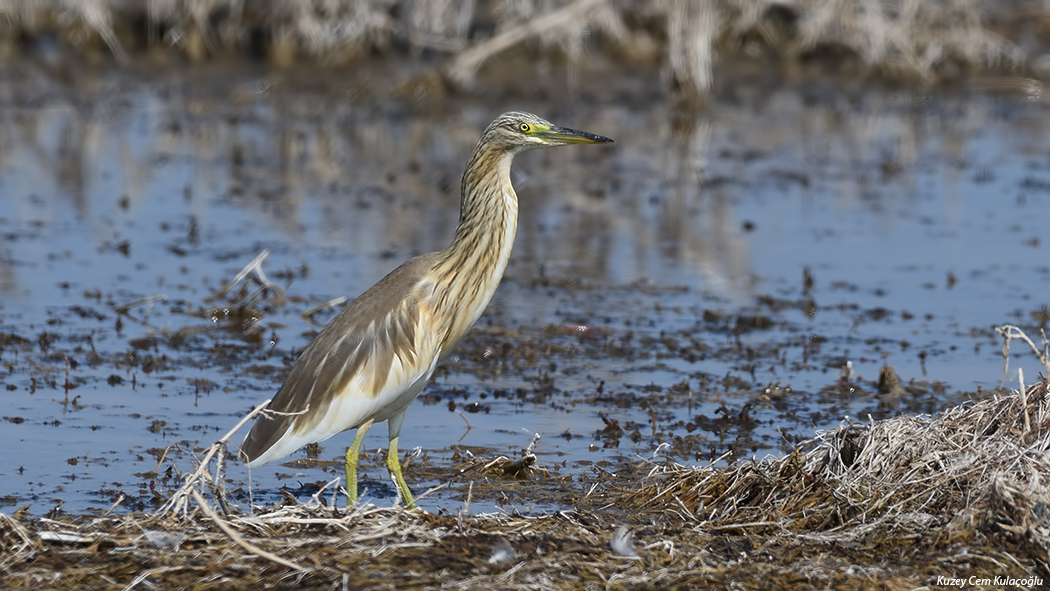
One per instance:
[(899, 503)]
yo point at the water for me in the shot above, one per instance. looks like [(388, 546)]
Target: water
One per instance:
[(656, 284)]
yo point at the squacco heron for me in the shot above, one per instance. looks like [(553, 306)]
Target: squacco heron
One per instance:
[(372, 360)]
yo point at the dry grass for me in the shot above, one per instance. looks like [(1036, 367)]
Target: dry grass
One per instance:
[(962, 470), (911, 38), (974, 478), (892, 504)]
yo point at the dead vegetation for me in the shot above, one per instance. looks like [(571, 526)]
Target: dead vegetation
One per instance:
[(899, 503), (924, 40), (974, 477)]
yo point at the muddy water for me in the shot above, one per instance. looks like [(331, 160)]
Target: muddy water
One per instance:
[(693, 291)]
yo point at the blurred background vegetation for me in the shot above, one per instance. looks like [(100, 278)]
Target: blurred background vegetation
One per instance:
[(925, 41)]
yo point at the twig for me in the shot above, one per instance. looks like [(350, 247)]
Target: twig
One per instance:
[(532, 445), (429, 492), (316, 497), (469, 426), (254, 264), (152, 572), (332, 303), (160, 297), (462, 68), (237, 539), (116, 503), (470, 497), (178, 500), (1010, 332), (252, 268), (1024, 400), (160, 462), (732, 526)]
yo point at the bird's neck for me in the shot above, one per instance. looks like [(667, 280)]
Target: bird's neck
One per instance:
[(472, 266), (488, 211)]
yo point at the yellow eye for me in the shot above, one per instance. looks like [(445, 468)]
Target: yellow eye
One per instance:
[(524, 127)]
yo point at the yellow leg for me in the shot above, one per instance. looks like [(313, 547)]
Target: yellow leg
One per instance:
[(352, 453), (394, 465)]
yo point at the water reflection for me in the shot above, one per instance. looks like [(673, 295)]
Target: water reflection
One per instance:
[(696, 251), (699, 223), (386, 185)]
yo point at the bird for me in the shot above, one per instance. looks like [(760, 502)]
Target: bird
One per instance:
[(377, 354)]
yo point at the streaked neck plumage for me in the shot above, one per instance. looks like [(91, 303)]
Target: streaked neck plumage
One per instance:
[(471, 268)]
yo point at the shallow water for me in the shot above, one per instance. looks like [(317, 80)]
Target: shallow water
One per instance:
[(656, 294)]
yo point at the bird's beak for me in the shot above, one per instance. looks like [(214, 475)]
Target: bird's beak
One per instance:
[(563, 135)]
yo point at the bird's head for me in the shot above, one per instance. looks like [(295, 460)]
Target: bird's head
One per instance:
[(517, 131)]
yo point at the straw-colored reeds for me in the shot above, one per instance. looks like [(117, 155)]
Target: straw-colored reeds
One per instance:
[(898, 503), (913, 38)]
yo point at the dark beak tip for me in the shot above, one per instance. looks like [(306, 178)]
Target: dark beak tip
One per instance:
[(598, 139)]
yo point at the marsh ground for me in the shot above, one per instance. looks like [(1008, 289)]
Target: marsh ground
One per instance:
[(721, 284), (724, 281)]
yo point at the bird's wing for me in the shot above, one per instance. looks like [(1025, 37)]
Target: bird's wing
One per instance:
[(370, 362)]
